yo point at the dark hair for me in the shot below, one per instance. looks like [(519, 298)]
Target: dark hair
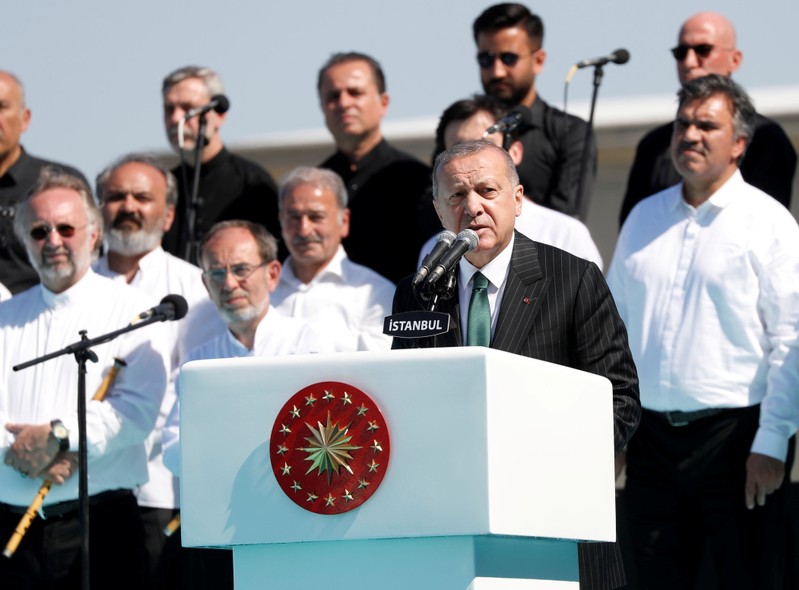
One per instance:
[(266, 242), (340, 58), (461, 110), (506, 15)]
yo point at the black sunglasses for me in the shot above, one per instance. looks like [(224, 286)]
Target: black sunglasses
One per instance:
[(681, 51), (486, 59), (64, 230)]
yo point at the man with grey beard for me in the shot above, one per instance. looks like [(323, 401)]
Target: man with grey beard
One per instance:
[(138, 195)]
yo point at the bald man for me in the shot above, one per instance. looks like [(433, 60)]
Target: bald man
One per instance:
[(706, 45), (18, 173)]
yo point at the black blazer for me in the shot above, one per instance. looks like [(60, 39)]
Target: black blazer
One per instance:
[(557, 307)]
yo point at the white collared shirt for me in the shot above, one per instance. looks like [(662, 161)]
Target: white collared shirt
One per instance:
[(710, 297)]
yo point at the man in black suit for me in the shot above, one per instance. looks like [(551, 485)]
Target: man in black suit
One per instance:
[(545, 303)]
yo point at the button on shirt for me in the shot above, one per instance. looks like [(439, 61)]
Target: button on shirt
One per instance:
[(710, 297)]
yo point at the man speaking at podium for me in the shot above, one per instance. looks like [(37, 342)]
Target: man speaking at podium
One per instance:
[(544, 303)]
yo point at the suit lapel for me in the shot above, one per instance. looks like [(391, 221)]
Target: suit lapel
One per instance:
[(522, 298)]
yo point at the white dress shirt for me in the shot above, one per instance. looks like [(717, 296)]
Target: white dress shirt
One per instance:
[(710, 296), (276, 335), (347, 301), (549, 227), (161, 274), (37, 322), (5, 294)]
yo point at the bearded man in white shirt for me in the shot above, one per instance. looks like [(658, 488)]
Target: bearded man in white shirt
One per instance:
[(61, 228), (705, 277), (319, 282)]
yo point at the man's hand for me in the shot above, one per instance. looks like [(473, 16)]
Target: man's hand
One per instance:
[(764, 475), (33, 449), (62, 468)]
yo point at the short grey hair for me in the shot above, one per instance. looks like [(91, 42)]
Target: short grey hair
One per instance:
[(212, 80), (139, 158), (325, 179), (265, 241), (743, 111), (470, 148)]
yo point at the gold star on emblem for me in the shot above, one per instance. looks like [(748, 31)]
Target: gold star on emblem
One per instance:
[(330, 500), (296, 487), (282, 449), (362, 483), (286, 469), (346, 399), (328, 395), (372, 426), (310, 400), (362, 410), (373, 466), (347, 497), (312, 497), (285, 429), (295, 413), (376, 446)]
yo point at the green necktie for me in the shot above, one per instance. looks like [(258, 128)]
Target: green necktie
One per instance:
[(479, 326)]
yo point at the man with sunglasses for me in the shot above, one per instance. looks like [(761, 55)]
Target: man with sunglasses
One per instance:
[(706, 45), (61, 228), (510, 55)]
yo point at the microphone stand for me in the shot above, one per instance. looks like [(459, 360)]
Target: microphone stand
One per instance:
[(576, 201), (192, 201), (83, 353)]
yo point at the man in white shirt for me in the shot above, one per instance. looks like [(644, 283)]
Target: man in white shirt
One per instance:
[(347, 301), (137, 195), (240, 271), (705, 277), (61, 228), (468, 120)]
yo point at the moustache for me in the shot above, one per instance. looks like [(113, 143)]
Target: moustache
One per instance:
[(301, 241), (123, 217)]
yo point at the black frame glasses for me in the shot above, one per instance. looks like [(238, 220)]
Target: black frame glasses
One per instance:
[(240, 271), (65, 230), (701, 49), (486, 59)]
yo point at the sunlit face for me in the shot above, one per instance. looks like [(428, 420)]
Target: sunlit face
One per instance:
[(475, 192), (60, 260), (179, 99), (350, 100), (713, 30), (134, 207), (703, 144), (240, 301), (14, 118), (313, 225), (513, 84)]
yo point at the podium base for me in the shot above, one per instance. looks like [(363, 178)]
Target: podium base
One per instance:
[(427, 563)]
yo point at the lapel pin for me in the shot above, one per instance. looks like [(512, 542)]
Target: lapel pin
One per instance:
[(526, 300)]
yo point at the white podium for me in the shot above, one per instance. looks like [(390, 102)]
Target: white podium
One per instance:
[(498, 465)]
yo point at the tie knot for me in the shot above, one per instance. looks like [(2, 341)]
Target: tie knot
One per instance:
[(479, 281)]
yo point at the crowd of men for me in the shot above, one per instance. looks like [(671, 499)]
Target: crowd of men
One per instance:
[(697, 326)]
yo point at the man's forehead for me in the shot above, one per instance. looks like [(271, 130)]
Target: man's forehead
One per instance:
[(710, 107), (188, 87), (349, 73), (59, 200)]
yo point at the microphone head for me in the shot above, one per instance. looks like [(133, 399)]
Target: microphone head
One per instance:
[(470, 237), (446, 236), (620, 56), (222, 104), (178, 304)]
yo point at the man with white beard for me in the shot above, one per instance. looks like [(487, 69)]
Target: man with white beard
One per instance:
[(138, 195)]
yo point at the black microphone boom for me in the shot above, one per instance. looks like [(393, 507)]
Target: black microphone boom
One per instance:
[(172, 307), (443, 242), (465, 242), (219, 103), (620, 56)]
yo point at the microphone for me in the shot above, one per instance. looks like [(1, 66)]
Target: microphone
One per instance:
[(465, 242), (219, 103), (506, 124), (620, 56), (443, 242), (172, 307)]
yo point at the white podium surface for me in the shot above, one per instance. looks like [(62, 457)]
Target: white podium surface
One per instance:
[(482, 443)]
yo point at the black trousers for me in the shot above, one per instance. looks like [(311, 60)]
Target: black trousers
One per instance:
[(49, 555), (685, 491)]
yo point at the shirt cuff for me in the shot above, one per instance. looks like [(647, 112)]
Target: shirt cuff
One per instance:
[(770, 443)]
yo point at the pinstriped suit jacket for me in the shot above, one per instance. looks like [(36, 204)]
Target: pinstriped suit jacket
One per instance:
[(558, 308)]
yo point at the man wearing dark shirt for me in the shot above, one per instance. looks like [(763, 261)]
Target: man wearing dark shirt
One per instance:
[(389, 191), (706, 45), (230, 187), (19, 171), (510, 54)]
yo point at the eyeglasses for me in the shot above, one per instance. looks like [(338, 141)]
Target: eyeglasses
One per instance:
[(64, 230), (240, 271), (681, 51), (486, 59)]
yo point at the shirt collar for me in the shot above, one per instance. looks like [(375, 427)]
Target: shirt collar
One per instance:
[(495, 271), (333, 270), (725, 195), (81, 291)]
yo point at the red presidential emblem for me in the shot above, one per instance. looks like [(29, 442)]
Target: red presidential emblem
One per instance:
[(329, 447)]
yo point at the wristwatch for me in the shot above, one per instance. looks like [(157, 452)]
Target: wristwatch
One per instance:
[(61, 434)]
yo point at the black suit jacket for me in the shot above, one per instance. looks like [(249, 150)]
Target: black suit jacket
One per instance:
[(557, 307)]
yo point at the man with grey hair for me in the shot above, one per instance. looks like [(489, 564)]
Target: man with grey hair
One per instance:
[(347, 301), (704, 275), (137, 195), (18, 173), (61, 228), (230, 187)]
